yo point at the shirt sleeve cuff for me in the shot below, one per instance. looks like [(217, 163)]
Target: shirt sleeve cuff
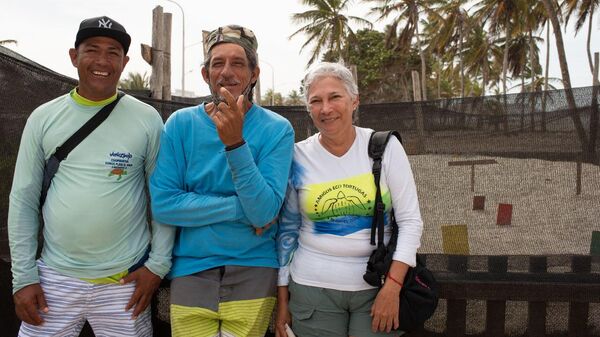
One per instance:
[(32, 277), (239, 157), (284, 276)]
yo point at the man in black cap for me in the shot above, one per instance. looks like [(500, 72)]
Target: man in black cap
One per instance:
[(220, 179), (100, 261)]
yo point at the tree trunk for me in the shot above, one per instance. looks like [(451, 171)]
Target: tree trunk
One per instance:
[(505, 57), (484, 76), (523, 93), (439, 78), (532, 75), (423, 63), (589, 38), (532, 57), (545, 94), (564, 69), (462, 68), (484, 79)]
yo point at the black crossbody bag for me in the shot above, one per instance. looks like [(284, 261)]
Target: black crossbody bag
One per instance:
[(63, 151), (420, 291)]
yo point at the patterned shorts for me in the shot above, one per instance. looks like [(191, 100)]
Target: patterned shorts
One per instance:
[(225, 301), (72, 301)]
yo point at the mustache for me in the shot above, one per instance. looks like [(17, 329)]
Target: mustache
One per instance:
[(228, 82)]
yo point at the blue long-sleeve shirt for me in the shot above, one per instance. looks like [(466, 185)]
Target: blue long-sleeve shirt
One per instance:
[(217, 198)]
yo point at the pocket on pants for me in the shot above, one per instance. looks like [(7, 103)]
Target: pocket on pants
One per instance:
[(301, 311)]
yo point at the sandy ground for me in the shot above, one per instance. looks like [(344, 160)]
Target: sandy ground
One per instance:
[(548, 218)]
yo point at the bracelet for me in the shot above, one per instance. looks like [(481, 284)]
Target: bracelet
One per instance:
[(235, 146), (396, 281)]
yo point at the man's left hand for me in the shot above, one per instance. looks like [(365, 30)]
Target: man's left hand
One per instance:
[(146, 283)]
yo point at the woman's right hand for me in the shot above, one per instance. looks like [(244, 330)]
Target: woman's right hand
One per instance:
[(283, 316)]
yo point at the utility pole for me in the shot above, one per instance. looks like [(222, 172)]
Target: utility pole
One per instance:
[(182, 47)]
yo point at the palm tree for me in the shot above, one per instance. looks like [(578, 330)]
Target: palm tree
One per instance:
[(294, 98), (479, 54), (326, 26), (272, 98), (534, 20), (564, 69), (586, 8), (135, 81), (502, 14), (448, 28), (406, 11)]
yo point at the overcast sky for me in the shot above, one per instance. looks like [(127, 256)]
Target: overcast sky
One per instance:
[(45, 30)]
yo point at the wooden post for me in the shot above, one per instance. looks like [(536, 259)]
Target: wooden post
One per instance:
[(166, 69), (418, 111), (472, 163), (578, 181), (156, 79), (536, 321), (472, 178)]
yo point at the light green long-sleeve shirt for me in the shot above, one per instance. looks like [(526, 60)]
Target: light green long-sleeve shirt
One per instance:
[(95, 212)]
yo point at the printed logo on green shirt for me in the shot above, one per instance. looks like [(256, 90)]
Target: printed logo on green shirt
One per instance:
[(118, 164)]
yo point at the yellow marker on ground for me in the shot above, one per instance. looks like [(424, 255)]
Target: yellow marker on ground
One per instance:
[(455, 239)]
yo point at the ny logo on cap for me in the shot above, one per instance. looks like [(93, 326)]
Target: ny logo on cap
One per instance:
[(104, 23)]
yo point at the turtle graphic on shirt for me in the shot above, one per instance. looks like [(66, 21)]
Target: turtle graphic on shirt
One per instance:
[(341, 205), (118, 171)]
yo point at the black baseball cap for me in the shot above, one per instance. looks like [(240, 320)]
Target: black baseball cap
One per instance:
[(103, 26)]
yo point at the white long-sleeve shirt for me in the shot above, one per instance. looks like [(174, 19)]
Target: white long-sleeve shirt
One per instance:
[(325, 225)]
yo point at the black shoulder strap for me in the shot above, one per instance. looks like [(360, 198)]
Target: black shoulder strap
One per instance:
[(377, 144), (51, 166), (63, 151)]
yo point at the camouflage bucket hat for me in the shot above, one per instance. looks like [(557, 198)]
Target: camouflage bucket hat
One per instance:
[(232, 34)]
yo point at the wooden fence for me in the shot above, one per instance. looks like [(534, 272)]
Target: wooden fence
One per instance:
[(477, 293), (540, 281)]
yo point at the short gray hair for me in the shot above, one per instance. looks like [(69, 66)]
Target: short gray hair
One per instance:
[(329, 69)]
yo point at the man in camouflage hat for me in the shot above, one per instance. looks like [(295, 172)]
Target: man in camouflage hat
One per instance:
[(220, 180)]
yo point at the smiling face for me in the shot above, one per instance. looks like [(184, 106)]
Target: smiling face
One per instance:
[(99, 61), (229, 67), (330, 107)]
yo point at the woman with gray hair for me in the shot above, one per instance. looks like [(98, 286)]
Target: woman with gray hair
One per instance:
[(325, 224)]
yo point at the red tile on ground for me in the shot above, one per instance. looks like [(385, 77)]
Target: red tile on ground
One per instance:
[(478, 202), (504, 214)]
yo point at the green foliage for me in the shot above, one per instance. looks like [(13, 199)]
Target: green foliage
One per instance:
[(271, 99), (294, 99), (469, 48), (326, 26), (368, 52), (135, 81)]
